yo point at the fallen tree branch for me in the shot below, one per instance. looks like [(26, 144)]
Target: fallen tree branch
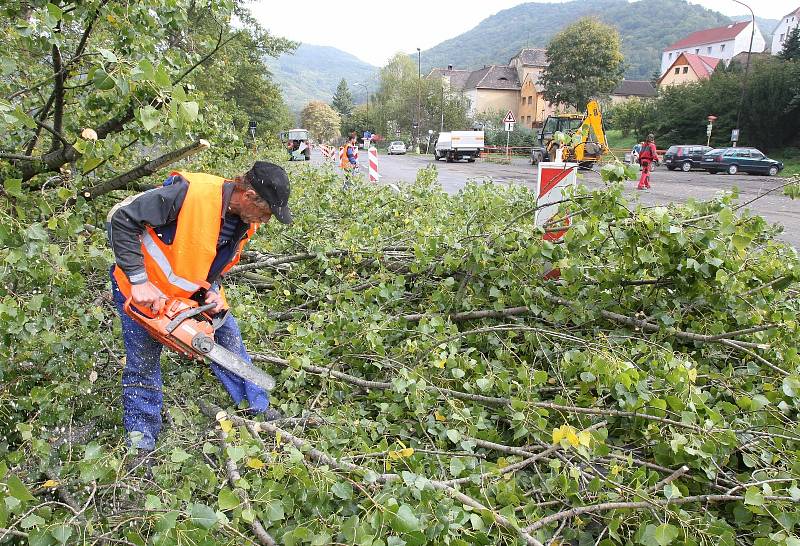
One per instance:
[(233, 476), (280, 260), (320, 457), (145, 169), (607, 506)]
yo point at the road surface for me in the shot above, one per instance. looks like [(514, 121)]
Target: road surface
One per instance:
[(668, 186)]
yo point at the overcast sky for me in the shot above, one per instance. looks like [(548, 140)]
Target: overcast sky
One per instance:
[(374, 31)]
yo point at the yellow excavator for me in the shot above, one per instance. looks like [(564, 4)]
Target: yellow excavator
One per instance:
[(581, 137)]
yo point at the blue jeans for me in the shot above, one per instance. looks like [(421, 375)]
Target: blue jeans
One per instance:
[(142, 394)]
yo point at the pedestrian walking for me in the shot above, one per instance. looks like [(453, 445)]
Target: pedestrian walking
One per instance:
[(647, 156)]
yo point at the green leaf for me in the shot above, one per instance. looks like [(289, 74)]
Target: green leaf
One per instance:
[(178, 455), (31, 521), (149, 117), (13, 186), (102, 80), (342, 490), (227, 499), (665, 534), (108, 55), (188, 110), (90, 163), (405, 520), (161, 78), (61, 533), (203, 515), (18, 490), (167, 521), (55, 12), (454, 435), (791, 386), (753, 497), (456, 467)]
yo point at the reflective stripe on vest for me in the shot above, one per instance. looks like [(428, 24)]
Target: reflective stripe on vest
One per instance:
[(162, 262)]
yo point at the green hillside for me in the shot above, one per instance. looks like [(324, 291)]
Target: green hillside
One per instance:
[(645, 26), (312, 72)]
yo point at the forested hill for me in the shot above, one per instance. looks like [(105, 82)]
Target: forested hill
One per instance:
[(312, 72), (646, 27)]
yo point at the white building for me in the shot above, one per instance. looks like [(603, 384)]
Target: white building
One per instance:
[(788, 22), (721, 43)]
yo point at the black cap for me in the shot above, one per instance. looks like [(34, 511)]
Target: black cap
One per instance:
[(272, 184)]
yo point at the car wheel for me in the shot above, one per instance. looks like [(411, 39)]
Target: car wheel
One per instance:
[(733, 169), (773, 171), (687, 166)]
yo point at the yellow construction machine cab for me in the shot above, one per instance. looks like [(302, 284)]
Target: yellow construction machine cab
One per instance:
[(592, 146)]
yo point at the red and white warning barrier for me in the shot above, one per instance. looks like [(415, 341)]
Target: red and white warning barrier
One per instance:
[(328, 152), (554, 179), (373, 164)]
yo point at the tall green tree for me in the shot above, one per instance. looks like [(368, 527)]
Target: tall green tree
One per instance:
[(322, 121), (342, 99), (791, 47), (88, 84), (585, 62)]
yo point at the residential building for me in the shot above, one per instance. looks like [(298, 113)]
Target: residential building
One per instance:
[(629, 89), (500, 88), (788, 22), (688, 68), (720, 43), (529, 64)]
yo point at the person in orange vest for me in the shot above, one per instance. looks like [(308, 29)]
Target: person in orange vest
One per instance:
[(647, 155), (348, 155), (178, 240)]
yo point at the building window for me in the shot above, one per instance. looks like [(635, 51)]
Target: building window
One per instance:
[(697, 51), (709, 49), (685, 69), (677, 70), (722, 48), (669, 56), (781, 38)]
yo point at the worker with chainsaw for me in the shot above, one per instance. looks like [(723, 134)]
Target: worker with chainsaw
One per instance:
[(177, 241), (647, 156)]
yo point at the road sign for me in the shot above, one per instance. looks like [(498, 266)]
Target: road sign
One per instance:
[(367, 135), (708, 129), (735, 135), (509, 118), (509, 126), (397, 132)]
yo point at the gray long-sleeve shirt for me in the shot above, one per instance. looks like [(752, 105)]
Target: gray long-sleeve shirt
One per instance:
[(156, 208)]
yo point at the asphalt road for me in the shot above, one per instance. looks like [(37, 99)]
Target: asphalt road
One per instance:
[(668, 186)]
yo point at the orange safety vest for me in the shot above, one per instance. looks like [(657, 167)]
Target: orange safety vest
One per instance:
[(180, 269), (344, 161)]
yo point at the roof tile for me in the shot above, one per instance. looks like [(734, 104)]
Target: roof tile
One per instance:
[(710, 35)]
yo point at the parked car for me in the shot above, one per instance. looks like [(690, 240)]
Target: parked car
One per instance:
[(733, 160), (685, 156), (396, 147)]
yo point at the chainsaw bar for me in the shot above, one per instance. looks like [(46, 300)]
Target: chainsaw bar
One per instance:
[(208, 348)]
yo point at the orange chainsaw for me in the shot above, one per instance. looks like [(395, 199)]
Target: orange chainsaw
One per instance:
[(187, 328)]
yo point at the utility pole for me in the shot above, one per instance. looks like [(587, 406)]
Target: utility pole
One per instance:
[(746, 67), (419, 92)]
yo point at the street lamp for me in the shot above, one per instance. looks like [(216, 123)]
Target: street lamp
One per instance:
[(746, 67), (419, 92)]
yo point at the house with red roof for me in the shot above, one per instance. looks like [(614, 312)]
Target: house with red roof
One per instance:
[(719, 43), (788, 22), (689, 68)]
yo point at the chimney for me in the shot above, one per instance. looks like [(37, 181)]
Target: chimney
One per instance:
[(449, 67)]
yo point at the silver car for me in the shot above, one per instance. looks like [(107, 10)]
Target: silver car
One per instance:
[(396, 147)]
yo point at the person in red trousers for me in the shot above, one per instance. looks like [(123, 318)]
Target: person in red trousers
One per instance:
[(647, 156)]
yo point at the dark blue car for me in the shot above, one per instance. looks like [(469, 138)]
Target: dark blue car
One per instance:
[(733, 160)]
